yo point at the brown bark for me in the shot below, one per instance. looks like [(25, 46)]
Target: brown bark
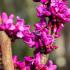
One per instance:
[(44, 58), (5, 44)]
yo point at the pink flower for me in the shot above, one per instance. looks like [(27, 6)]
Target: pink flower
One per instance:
[(42, 1), (7, 22), (42, 11)]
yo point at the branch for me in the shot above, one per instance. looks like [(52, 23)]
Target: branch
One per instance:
[(5, 44), (44, 58)]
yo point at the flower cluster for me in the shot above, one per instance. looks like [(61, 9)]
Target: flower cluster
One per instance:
[(40, 37), (16, 29), (33, 63), (52, 14), (57, 13)]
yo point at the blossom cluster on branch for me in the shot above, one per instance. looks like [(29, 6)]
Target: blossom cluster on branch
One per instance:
[(33, 63), (52, 14)]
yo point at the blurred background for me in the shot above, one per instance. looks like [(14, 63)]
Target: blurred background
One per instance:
[(26, 10)]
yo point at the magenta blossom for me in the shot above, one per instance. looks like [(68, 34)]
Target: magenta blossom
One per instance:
[(42, 1), (7, 22), (42, 11), (34, 63)]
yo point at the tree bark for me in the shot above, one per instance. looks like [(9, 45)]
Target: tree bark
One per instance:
[(5, 44), (44, 58)]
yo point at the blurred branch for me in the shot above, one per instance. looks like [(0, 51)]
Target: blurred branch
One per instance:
[(5, 43)]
